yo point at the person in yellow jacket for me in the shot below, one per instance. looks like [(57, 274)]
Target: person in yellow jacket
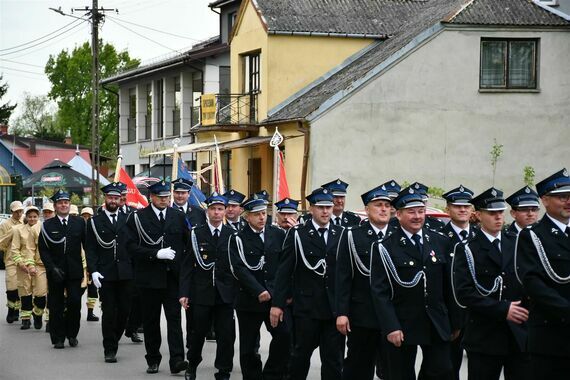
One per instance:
[(6, 227), (32, 281)]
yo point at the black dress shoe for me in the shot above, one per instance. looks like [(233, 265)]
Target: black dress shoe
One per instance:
[(37, 322), (179, 367), (111, 357), (190, 373), (135, 338), (73, 342), (59, 345), (91, 317), (26, 324), (153, 368), (222, 376)]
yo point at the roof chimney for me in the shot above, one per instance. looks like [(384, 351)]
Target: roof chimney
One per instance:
[(68, 139)]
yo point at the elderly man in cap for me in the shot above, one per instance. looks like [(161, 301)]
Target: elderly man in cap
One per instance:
[(16, 208), (543, 265), (109, 262), (181, 193), (60, 244), (158, 244), (411, 292), (255, 253), (286, 213), (525, 206), (308, 270), (485, 283), (207, 287), (459, 209), (356, 317)]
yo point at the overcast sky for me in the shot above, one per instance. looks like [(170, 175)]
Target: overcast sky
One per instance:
[(23, 21)]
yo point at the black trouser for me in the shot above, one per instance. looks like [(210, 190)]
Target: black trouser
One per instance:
[(399, 363), (223, 316), (310, 334), (152, 302), (550, 367), (64, 304), (363, 345), (92, 290), (116, 304), (456, 355), (279, 348), (517, 366), (135, 315)]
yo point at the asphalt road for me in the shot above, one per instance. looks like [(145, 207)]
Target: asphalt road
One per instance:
[(29, 354)]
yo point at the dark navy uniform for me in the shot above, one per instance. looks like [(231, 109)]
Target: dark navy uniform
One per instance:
[(194, 215), (543, 266), (255, 262), (60, 245), (236, 226), (107, 254), (354, 300), (490, 340), (206, 280), (411, 292), (459, 196), (157, 279), (308, 268)]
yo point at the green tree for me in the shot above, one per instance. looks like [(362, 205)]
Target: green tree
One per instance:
[(496, 153), (70, 77), (37, 119), (5, 109)]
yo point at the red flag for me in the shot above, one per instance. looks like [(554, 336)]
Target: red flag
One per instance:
[(134, 196), (283, 189)]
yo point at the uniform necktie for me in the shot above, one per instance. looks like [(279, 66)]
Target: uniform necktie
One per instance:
[(236, 225), (322, 231), (497, 244), (418, 240), (161, 217), (567, 231), (260, 234), (463, 234), (181, 208), (64, 222), (113, 220), (337, 220), (380, 235)]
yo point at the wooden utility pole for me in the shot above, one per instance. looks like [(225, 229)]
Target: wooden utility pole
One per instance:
[(96, 15)]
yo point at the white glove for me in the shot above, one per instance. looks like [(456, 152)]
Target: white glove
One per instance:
[(166, 254), (96, 276)]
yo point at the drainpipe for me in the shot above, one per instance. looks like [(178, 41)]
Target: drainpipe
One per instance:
[(307, 140)]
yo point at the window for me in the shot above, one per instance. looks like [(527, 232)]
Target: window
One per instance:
[(132, 121), (130, 169), (251, 73), (177, 105), (508, 64), (159, 108), (148, 115)]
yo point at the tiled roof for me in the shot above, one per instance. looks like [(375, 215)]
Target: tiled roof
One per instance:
[(507, 12), (344, 17), (427, 14)]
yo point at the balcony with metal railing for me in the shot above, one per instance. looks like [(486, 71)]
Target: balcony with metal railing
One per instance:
[(226, 112)]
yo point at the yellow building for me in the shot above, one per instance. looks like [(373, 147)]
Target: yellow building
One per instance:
[(273, 59)]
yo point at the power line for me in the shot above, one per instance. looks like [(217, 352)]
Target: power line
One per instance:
[(39, 38), (50, 44), (145, 37), (42, 42), (155, 30), (23, 71), (20, 63)]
